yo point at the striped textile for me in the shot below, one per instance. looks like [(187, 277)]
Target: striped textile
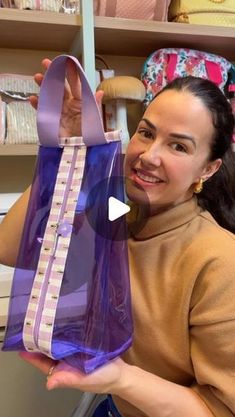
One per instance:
[(41, 311)]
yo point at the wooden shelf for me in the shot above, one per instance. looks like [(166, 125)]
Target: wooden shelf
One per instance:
[(18, 150), (39, 30), (30, 29), (141, 38)]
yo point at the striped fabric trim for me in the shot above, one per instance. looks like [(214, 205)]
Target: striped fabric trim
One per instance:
[(64, 233), (40, 315), (41, 311), (112, 136)]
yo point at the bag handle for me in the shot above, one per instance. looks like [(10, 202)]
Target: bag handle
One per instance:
[(99, 58), (214, 72), (110, 9), (50, 104), (171, 66), (161, 10)]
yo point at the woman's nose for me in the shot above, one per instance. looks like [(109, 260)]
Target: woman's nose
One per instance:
[(151, 156)]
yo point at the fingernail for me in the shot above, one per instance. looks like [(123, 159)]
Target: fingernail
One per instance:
[(52, 386)]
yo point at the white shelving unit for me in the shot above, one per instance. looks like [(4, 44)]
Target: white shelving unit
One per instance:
[(26, 37), (83, 35)]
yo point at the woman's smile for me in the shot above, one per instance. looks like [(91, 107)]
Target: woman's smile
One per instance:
[(145, 179)]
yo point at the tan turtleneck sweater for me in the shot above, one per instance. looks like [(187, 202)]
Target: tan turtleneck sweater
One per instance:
[(183, 295)]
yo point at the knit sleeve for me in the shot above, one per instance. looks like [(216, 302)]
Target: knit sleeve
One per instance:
[(212, 333)]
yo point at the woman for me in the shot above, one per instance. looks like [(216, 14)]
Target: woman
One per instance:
[(182, 264)]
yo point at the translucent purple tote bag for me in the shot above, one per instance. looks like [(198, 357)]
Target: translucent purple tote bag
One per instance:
[(71, 296)]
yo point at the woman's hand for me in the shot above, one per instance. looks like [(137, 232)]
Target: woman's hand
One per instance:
[(106, 379), (149, 393), (70, 122)]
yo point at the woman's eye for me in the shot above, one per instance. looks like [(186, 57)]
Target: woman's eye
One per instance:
[(179, 147), (145, 133)]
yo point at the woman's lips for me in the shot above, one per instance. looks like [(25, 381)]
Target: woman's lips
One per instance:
[(144, 179)]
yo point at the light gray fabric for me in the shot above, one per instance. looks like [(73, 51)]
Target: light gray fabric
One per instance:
[(88, 404)]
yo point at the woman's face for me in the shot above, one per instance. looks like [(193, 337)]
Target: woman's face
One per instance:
[(169, 152)]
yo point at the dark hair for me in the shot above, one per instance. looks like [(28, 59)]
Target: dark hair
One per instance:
[(218, 194)]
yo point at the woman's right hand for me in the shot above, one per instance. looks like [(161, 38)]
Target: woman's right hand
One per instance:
[(70, 122)]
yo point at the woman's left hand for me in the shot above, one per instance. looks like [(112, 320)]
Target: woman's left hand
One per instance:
[(106, 379), (70, 122)]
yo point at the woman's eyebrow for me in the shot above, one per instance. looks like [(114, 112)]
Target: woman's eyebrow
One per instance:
[(151, 125), (173, 135), (183, 136)]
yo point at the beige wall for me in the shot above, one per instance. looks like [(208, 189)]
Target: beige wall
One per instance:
[(23, 392)]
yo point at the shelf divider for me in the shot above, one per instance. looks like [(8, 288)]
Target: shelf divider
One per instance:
[(18, 150)]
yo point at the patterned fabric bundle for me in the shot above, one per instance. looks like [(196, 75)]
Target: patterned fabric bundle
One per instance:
[(49, 5), (166, 64), (70, 296)]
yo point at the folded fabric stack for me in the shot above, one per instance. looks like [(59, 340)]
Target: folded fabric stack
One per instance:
[(17, 117), (21, 123), (2, 121), (62, 6)]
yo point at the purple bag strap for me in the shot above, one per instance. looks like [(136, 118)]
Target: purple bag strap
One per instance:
[(51, 101)]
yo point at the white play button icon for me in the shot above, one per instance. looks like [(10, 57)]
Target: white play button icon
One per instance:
[(105, 209), (116, 208)]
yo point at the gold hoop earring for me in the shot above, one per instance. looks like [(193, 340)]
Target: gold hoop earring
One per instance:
[(199, 186)]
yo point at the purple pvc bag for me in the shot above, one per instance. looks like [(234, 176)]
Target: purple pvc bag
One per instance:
[(71, 294)]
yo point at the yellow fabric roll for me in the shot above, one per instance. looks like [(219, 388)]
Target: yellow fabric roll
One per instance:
[(204, 12)]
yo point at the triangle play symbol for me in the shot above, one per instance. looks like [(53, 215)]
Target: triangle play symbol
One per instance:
[(116, 208)]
